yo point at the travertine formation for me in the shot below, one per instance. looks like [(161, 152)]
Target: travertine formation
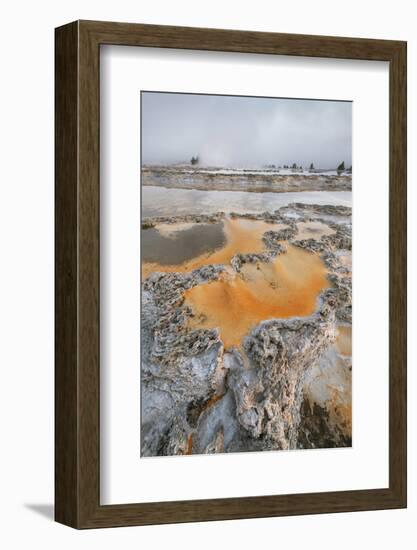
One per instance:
[(198, 397)]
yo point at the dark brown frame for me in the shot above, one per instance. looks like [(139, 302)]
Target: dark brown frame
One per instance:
[(77, 360)]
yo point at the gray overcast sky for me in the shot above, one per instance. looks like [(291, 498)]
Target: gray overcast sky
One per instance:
[(245, 131)]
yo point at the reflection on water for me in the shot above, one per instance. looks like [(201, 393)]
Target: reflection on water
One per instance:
[(242, 236), (286, 287), (177, 247), (160, 201)]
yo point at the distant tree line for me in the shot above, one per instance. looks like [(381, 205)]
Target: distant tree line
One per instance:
[(341, 167)]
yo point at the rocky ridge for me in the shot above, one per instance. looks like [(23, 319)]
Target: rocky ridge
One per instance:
[(243, 180)]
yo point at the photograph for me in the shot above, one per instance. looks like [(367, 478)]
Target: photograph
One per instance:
[(246, 273)]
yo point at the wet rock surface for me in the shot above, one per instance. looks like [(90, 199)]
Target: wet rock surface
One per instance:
[(198, 397)]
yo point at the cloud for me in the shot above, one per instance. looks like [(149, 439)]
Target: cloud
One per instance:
[(245, 131)]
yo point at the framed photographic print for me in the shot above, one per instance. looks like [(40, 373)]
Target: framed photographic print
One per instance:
[(230, 274)]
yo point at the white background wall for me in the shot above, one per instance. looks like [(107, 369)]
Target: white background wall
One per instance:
[(26, 271)]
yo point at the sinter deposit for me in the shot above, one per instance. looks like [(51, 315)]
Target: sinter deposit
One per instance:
[(246, 344), (257, 181)]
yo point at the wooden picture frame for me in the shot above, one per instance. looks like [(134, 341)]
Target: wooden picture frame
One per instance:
[(77, 359)]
